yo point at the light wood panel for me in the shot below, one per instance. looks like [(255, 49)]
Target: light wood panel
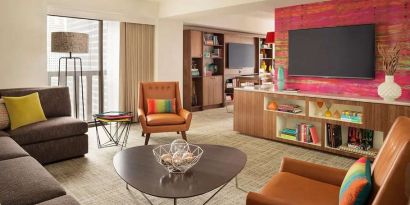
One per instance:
[(196, 44), (248, 112)]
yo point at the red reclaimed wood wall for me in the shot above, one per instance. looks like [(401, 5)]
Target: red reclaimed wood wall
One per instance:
[(392, 20)]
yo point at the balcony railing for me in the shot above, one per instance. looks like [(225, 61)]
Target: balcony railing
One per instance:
[(91, 88)]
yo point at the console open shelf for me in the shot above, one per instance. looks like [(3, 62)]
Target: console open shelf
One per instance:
[(256, 116)]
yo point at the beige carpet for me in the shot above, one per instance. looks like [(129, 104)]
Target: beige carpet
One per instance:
[(93, 180)]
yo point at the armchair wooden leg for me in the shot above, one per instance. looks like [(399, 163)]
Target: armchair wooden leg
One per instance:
[(142, 134), (147, 135), (184, 135), (177, 132)]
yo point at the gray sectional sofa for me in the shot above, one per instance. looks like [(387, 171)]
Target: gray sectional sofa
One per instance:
[(23, 180)]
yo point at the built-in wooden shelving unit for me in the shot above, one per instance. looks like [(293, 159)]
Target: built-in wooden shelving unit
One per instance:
[(252, 116)]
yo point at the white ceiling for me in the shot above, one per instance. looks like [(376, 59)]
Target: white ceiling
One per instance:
[(245, 15)]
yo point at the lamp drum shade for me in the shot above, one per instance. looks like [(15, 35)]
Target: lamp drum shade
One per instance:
[(69, 42), (270, 37)]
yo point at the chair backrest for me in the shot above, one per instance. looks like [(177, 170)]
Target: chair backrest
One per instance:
[(158, 90), (391, 164)]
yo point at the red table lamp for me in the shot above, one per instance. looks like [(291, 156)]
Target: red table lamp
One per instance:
[(270, 38)]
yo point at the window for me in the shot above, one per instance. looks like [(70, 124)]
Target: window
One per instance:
[(100, 69)]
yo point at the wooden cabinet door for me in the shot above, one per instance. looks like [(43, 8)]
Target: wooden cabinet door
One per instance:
[(218, 92), (207, 91), (249, 113), (196, 44)]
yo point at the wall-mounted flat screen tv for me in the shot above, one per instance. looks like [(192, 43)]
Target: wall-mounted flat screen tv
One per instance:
[(336, 52), (240, 55)]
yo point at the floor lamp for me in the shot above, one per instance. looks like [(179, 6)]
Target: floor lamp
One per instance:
[(71, 42)]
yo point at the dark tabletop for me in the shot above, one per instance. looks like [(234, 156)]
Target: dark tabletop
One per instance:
[(218, 165)]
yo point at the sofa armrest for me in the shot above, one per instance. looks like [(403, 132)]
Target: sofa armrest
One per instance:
[(186, 115), (316, 172), (258, 199), (141, 117)]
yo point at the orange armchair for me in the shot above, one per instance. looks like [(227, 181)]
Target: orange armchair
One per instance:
[(163, 122), (304, 183)]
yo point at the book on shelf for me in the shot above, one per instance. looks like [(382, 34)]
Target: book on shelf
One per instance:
[(315, 137), (291, 108)]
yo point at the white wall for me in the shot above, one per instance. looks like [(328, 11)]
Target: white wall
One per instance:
[(169, 50), (23, 43)]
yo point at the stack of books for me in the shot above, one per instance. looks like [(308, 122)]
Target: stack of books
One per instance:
[(289, 108), (288, 133), (303, 133), (361, 139), (195, 72), (334, 135)]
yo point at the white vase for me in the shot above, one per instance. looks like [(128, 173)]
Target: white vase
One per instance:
[(389, 90)]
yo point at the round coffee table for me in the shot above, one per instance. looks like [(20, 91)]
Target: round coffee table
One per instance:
[(216, 168)]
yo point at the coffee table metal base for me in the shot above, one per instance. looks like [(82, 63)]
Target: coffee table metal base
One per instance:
[(209, 199)]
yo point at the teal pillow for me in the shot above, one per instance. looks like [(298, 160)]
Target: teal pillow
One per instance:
[(357, 184)]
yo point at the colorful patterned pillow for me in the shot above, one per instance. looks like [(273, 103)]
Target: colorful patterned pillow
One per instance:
[(4, 116), (161, 106), (357, 183)]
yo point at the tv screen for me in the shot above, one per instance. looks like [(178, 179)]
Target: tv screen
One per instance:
[(241, 55), (340, 52)]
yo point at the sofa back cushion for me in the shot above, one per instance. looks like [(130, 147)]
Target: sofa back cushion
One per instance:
[(55, 101), (4, 116)]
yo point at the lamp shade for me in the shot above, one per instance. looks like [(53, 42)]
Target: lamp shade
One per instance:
[(69, 42), (270, 37)]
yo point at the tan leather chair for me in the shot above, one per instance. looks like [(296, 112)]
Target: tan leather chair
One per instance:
[(164, 122), (305, 183)]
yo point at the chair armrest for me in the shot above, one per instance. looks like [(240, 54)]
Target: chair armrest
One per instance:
[(141, 117), (313, 171), (186, 115), (258, 199)]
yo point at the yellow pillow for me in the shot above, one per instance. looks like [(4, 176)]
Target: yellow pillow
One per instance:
[(24, 110)]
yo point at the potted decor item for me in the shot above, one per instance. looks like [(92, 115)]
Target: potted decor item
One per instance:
[(389, 90), (281, 78)]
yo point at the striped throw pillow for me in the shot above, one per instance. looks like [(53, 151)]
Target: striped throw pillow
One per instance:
[(4, 116), (357, 184), (161, 106)]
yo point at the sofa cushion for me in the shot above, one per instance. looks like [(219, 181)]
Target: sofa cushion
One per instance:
[(9, 149), (164, 119), (295, 189), (24, 110), (54, 100), (24, 181), (4, 133), (62, 200), (4, 116), (53, 128)]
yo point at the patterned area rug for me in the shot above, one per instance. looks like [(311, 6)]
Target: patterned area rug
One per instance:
[(93, 180)]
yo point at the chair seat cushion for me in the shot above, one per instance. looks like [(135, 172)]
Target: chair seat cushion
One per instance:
[(9, 149), (53, 128), (298, 190), (62, 200), (164, 119), (24, 181)]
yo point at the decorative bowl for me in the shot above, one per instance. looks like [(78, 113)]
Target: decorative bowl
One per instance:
[(177, 157)]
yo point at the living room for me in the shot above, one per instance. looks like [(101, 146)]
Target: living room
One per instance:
[(205, 102)]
